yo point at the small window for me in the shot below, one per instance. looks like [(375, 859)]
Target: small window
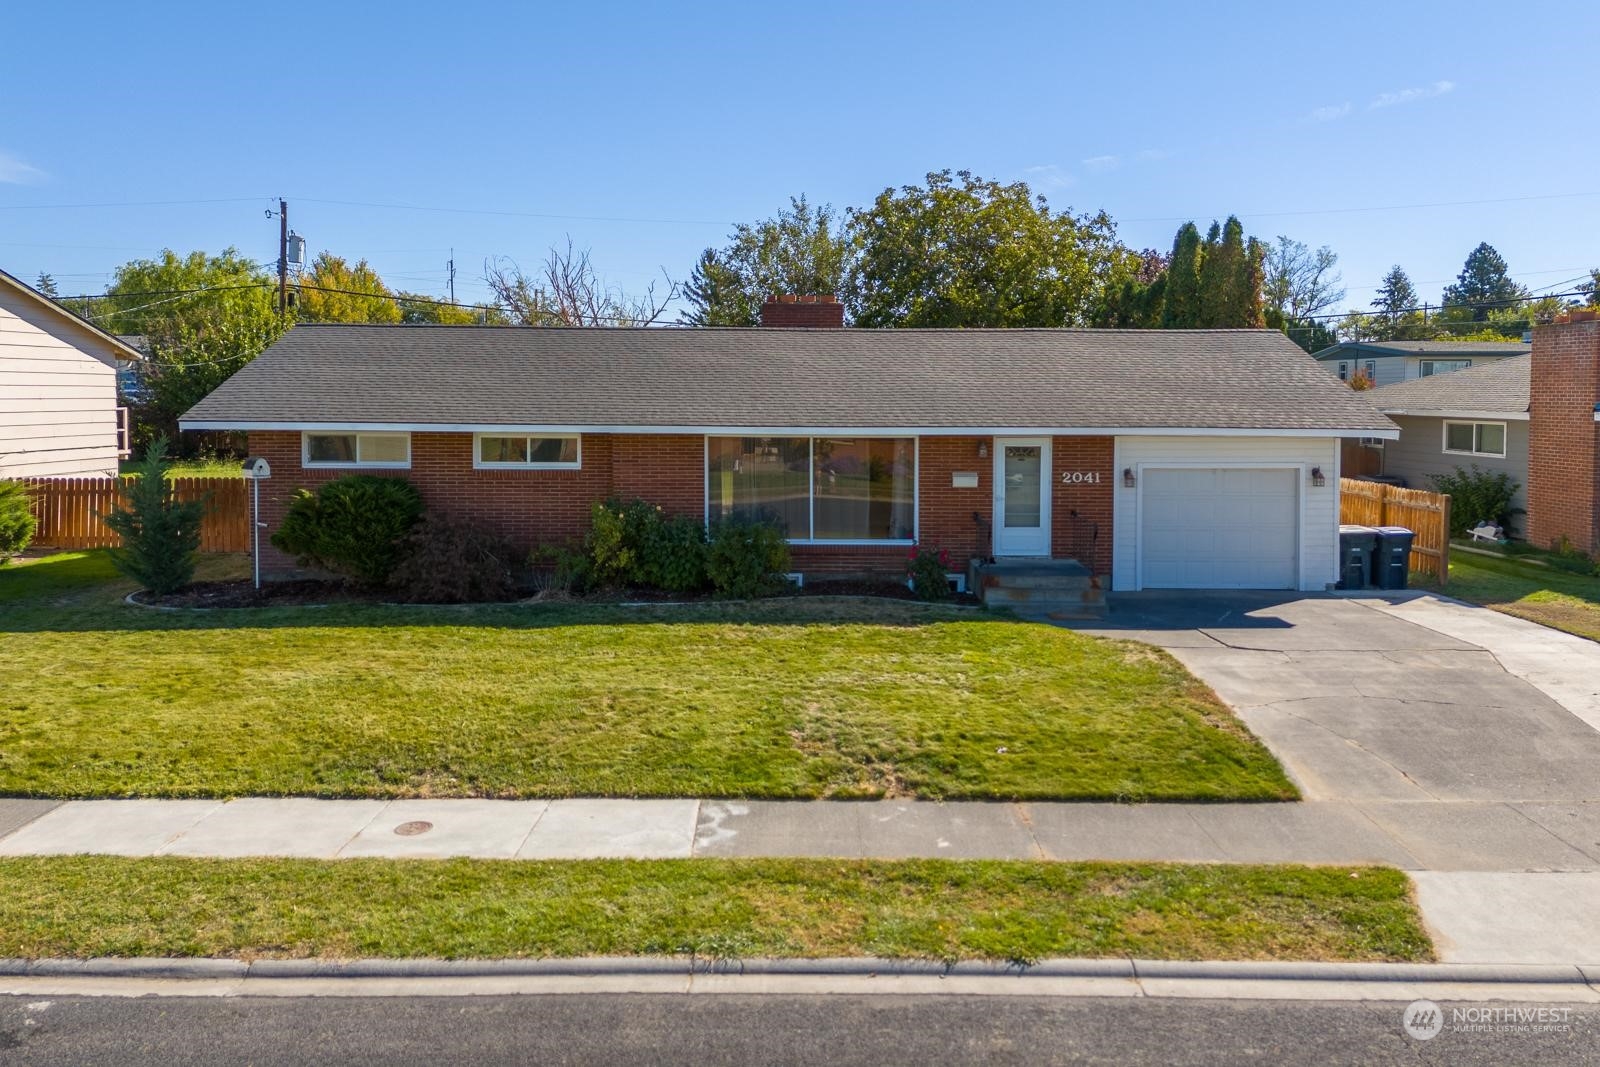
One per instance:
[(1344, 372), (352, 449), (527, 452), (1372, 370), (1430, 367), (1475, 438)]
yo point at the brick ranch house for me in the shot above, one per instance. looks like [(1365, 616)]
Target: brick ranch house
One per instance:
[(1156, 459)]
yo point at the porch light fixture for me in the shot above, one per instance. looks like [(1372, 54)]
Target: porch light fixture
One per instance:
[(1316, 477), (983, 449), (1127, 477)]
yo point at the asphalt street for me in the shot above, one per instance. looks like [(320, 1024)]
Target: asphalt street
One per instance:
[(748, 1030)]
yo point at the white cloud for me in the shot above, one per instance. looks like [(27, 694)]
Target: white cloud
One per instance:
[(1330, 113), (1049, 175), (1102, 162), (1408, 96), (14, 171)]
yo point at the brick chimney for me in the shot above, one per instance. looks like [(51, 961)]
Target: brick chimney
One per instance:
[(811, 312), (1563, 436)]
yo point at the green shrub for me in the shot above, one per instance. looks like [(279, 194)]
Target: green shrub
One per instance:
[(1477, 496), (634, 544), (559, 570), (746, 558), (17, 523), (448, 562), (355, 526), (929, 570), (160, 533)]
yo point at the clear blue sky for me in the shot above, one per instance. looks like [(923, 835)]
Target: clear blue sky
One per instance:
[(686, 119)]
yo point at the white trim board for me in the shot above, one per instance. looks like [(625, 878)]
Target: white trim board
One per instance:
[(800, 431), (1458, 413)]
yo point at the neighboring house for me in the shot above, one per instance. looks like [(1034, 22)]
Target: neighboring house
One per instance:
[(1536, 417), (58, 389), (1453, 421), (1157, 459), (1387, 362)]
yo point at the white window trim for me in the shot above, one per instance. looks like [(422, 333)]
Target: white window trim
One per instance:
[(308, 463), (478, 462), (811, 490), (1475, 423)]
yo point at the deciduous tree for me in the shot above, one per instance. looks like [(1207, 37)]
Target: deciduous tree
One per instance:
[(568, 291), (963, 251), (334, 291), (1301, 282)]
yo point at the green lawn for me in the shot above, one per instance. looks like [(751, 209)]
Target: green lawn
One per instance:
[(82, 906), (195, 468), (790, 698), (1546, 595)]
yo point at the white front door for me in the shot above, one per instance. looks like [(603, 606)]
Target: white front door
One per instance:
[(1022, 496)]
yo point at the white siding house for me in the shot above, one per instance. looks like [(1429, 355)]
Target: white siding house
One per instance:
[(58, 389)]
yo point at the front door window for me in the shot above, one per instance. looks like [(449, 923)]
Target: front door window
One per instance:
[(1022, 507)]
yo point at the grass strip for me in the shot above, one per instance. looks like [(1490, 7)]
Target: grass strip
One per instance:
[(84, 906)]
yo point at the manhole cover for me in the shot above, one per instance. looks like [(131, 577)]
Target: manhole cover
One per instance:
[(412, 829)]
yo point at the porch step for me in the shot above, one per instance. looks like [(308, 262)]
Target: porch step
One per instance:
[(1056, 588)]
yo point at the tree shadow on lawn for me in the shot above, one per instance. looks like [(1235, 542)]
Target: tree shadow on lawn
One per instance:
[(80, 592)]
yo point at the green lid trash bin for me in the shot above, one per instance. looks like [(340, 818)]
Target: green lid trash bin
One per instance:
[(1391, 565), (1357, 546)]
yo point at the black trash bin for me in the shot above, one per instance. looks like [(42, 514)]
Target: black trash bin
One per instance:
[(1391, 564), (1357, 547)]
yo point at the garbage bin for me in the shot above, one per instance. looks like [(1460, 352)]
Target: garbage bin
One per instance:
[(1357, 546), (1391, 564)]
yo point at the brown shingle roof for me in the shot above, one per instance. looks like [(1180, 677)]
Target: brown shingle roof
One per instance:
[(1500, 386), (780, 378)]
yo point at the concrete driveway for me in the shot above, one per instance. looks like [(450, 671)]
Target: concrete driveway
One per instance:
[(1363, 701)]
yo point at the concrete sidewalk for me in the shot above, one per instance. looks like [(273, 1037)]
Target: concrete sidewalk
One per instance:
[(1413, 835)]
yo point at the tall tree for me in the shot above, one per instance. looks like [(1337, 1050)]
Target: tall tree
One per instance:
[(800, 250), (46, 285), (203, 317), (963, 251), (1139, 300), (1483, 285), (568, 291), (1397, 317), (1396, 294), (1182, 309), (1231, 276), (334, 291), (1301, 282)]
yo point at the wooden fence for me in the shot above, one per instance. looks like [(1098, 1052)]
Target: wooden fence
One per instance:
[(69, 511), (1424, 513)]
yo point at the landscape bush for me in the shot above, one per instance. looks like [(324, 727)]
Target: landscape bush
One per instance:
[(928, 568), (746, 558), (1477, 496), (635, 544), (356, 526), (17, 523), (160, 533), (449, 562)]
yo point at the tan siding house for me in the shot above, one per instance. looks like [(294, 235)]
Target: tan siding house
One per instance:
[(58, 388)]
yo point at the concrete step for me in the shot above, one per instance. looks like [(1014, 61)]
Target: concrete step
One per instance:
[(1041, 599), (1064, 583)]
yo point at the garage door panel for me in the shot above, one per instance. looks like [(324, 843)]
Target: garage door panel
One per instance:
[(1219, 528)]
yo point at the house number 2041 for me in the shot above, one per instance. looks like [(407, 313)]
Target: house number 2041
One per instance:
[(1080, 477)]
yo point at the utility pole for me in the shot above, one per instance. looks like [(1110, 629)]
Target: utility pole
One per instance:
[(452, 266), (283, 258)]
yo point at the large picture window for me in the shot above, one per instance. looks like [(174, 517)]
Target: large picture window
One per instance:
[(821, 489)]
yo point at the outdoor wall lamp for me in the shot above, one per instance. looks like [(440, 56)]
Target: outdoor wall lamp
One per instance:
[(983, 449), (1127, 477), (1316, 477)]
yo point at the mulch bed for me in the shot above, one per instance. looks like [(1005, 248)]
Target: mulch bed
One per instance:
[(314, 592)]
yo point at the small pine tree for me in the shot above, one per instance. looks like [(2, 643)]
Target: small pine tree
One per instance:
[(17, 523), (160, 533)]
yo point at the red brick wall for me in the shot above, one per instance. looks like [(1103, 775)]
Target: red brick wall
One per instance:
[(1086, 537), (538, 507), (1563, 438), (816, 312)]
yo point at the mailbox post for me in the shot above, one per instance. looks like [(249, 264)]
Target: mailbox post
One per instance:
[(256, 470)]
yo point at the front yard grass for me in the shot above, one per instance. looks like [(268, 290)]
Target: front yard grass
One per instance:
[(1545, 595), (811, 697), (82, 906)]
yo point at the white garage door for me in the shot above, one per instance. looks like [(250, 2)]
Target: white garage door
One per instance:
[(1219, 528)]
